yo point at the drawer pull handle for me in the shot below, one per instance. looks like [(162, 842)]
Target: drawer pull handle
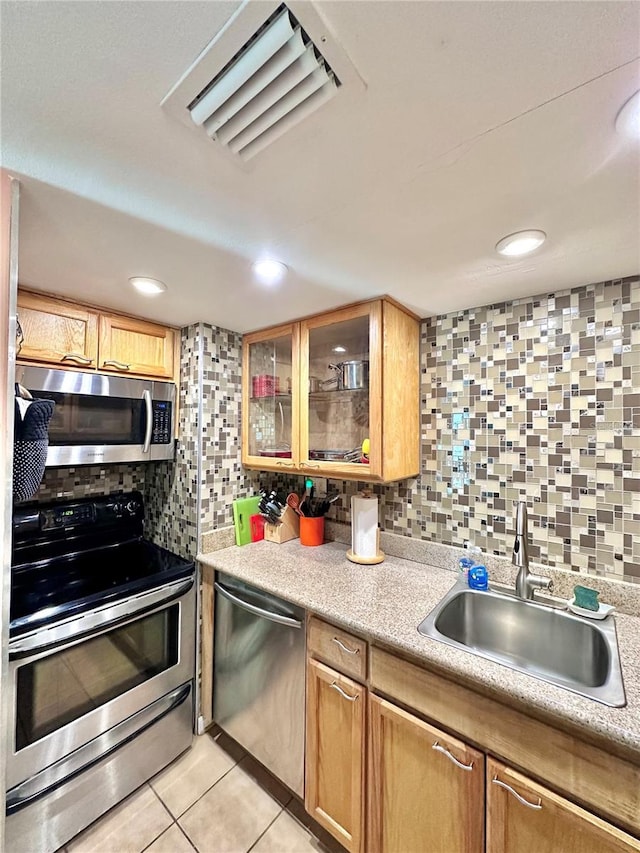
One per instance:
[(342, 693), (451, 757), (520, 799), (310, 465), (346, 648), (286, 464), (75, 356), (119, 365)]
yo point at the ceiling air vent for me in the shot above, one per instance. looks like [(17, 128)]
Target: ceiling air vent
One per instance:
[(245, 95)]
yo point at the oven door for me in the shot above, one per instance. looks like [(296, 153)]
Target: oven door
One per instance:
[(103, 418), (75, 680)]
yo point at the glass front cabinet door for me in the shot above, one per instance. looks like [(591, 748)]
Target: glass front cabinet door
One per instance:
[(336, 395), (340, 392), (270, 397)]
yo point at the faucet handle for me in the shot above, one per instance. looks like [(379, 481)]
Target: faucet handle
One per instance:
[(540, 582)]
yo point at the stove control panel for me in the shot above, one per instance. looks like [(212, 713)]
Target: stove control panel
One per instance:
[(86, 514), (69, 516)]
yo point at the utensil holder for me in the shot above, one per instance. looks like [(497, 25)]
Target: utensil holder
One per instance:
[(289, 527), (312, 530)]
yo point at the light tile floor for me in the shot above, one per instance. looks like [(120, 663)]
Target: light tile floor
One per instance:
[(213, 799)]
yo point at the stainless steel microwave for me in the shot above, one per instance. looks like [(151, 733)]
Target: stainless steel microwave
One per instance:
[(101, 418)]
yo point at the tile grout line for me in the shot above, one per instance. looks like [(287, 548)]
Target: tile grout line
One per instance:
[(187, 837), (204, 793), (265, 830), (151, 788)]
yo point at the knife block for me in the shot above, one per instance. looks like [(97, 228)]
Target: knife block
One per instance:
[(289, 527)]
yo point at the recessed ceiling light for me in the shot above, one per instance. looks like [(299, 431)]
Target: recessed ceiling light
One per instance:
[(148, 286), (269, 271), (628, 119), (520, 243), (339, 349)]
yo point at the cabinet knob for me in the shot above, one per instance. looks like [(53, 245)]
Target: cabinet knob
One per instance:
[(537, 806), (75, 356), (119, 365)]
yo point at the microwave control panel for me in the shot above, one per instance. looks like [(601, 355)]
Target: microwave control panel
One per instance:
[(161, 432)]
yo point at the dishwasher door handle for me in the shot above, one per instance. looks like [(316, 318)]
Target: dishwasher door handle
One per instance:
[(258, 611)]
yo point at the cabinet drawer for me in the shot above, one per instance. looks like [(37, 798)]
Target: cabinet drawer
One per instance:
[(338, 648)]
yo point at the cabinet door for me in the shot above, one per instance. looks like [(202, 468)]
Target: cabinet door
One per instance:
[(57, 332), (270, 399), (426, 789), (335, 754), (135, 346), (524, 817), (341, 393)]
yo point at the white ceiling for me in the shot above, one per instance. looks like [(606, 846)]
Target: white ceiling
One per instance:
[(478, 119)]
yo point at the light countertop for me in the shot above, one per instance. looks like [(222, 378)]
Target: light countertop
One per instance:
[(387, 602)]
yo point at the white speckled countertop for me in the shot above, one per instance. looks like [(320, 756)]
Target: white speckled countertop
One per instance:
[(387, 602)]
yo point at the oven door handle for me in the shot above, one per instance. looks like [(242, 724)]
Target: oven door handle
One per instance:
[(258, 611), (91, 753), (47, 639), (146, 396)]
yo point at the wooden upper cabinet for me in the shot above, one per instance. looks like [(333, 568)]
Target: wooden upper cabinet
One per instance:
[(349, 381), (524, 817), (128, 345), (57, 332), (426, 788), (67, 335)]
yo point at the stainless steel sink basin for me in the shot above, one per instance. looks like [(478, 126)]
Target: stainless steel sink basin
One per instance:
[(553, 645)]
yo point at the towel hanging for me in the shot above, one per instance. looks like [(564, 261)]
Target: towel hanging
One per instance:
[(30, 444)]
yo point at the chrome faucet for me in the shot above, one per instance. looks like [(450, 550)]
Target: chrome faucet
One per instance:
[(525, 581)]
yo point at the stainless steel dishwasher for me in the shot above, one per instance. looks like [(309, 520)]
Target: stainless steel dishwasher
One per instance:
[(259, 676)]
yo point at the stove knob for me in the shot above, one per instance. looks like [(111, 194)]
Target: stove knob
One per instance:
[(132, 507), (117, 508)]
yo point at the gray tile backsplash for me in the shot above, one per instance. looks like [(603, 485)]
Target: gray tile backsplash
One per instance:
[(536, 399)]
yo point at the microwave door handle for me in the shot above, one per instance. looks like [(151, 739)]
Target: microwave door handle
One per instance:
[(146, 396)]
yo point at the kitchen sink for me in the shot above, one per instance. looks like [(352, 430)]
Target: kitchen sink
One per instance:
[(544, 642)]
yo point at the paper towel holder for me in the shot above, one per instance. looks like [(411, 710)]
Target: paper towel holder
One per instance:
[(379, 555)]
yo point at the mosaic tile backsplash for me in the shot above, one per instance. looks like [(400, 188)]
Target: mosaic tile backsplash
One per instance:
[(539, 400), (86, 480)]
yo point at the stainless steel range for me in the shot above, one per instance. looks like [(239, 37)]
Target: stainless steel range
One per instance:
[(101, 665)]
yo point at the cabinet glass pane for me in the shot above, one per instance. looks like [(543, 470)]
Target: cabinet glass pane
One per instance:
[(270, 398), (339, 391)]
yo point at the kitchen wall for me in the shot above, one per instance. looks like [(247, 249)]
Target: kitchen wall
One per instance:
[(539, 400)]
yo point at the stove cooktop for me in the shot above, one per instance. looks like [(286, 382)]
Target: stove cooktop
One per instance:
[(70, 585)]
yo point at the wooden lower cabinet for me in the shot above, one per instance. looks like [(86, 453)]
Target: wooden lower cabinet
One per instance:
[(335, 754), (524, 817), (426, 789)]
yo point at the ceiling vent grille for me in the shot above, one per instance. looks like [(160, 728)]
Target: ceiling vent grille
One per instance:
[(260, 89)]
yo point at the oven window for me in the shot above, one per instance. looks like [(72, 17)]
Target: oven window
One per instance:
[(80, 419), (59, 688)]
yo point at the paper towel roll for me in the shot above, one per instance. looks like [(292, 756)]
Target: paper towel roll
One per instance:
[(364, 526)]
